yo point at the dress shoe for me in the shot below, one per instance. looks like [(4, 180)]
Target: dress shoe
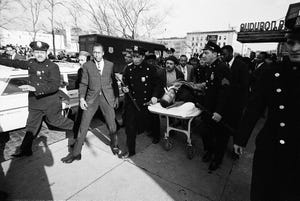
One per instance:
[(126, 155), (22, 154), (116, 150), (73, 158), (207, 157), (214, 165), (64, 159), (155, 140)]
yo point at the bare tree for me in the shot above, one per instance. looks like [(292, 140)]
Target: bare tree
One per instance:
[(100, 14), (75, 11), (5, 8), (34, 7), (51, 8), (128, 14)]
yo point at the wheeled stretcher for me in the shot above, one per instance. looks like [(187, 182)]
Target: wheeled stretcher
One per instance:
[(186, 111)]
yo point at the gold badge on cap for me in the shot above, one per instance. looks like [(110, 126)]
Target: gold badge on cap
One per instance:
[(135, 48), (39, 44)]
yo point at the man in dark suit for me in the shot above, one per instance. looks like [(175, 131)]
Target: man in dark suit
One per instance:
[(276, 162), (217, 82), (239, 87), (185, 68), (98, 88), (259, 69), (44, 100)]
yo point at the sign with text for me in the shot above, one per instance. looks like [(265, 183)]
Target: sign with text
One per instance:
[(261, 32), (212, 38), (263, 26)]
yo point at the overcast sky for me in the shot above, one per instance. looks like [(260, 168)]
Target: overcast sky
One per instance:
[(212, 15), (208, 15)]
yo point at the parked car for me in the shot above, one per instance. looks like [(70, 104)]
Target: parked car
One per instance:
[(14, 101)]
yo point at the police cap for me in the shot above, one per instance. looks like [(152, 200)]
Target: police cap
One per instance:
[(39, 45), (138, 49), (212, 46), (292, 21), (172, 50), (172, 58), (292, 18), (150, 56)]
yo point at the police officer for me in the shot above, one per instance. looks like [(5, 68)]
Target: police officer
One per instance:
[(217, 80), (276, 162), (144, 87), (44, 100)]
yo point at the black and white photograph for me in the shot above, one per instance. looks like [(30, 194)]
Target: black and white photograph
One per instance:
[(148, 100)]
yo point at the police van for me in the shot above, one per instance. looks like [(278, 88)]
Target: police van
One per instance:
[(14, 101)]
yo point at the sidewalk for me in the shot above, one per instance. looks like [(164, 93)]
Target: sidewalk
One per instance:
[(153, 174)]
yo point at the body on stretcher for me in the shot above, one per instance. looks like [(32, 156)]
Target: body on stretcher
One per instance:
[(186, 111)]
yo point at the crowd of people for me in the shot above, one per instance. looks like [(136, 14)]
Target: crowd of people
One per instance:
[(233, 92)]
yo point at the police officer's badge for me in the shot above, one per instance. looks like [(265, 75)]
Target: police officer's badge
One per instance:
[(143, 79), (212, 76), (135, 48), (38, 73), (110, 50), (39, 44)]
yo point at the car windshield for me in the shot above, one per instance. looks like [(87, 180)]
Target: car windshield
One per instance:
[(13, 85)]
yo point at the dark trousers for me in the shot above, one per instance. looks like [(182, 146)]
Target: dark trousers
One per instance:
[(134, 119), (275, 173), (78, 117), (215, 137), (87, 116), (53, 117)]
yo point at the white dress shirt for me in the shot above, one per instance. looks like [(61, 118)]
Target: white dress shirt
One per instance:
[(184, 71), (100, 65), (230, 62)]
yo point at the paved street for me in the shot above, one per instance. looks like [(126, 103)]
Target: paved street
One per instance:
[(153, 174)]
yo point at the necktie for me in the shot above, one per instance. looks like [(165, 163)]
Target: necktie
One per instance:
[(99, 68)]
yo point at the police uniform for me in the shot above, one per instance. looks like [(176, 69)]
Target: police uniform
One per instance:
[(276, 162), (143, 83), (199, 74), (44, 101), (215, 136)]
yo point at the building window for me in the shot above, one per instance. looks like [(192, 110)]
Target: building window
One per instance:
[(219, 43), (192, 44), (200, 44), (219, 37), (192, 38), (224, 37), (201, 38), (196, 44), (224, 43)]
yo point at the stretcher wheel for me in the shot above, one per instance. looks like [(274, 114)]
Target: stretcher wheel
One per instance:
[(190, 152), (167, 144)]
